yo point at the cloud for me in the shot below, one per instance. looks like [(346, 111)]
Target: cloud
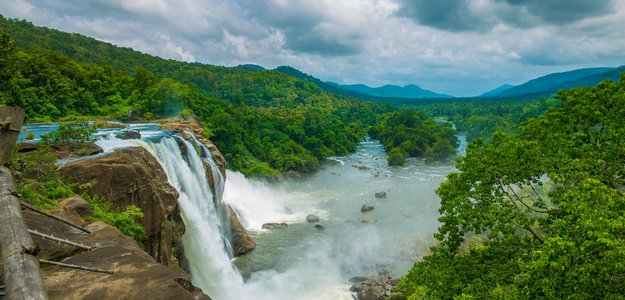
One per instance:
[(459, 47), (483, 15)]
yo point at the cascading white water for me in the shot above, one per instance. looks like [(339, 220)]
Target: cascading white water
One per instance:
[(300, 262), (203, 240)]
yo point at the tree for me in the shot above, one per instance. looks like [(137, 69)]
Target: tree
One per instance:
[(552, 198)]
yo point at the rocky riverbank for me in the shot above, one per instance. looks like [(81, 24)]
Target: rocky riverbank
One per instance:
[(132, 176)]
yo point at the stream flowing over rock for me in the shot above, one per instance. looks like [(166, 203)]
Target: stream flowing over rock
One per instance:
[(133, 176)]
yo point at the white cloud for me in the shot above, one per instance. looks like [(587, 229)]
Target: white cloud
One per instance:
[(356, 41)]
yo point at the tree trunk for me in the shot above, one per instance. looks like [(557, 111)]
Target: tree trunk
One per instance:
[(11, 120), (22, 276)]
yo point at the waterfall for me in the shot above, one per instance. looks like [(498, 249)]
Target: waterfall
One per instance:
[(204, 244), (315, 276)]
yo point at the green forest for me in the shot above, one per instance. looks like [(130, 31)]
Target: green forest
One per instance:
[(267, 123), (535, 209), (538, 214)]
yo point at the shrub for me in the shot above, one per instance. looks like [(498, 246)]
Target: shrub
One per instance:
[(70, 135), (124, 220)]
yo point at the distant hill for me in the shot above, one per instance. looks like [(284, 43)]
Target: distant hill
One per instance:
[(250, 67), (330, 87), (551, 83), (496, 91), (395, 91), (387, 93)]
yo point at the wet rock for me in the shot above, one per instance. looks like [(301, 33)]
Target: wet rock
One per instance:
[(373, 287), (129, 135), (319, 226), (240, 240), (381, 195), (312, 218), (366, 208), (274, 225), (371, 293), (368, 221), (357, 279)]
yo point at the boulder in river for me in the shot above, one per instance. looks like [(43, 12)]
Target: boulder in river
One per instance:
[(319, 226), (275, 225), (381, 195), (366, 208), (239, 238), (129, 135), (376, 287), (368, 221), (312, 218)]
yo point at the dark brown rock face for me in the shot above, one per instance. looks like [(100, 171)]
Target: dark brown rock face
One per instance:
[(134, 177), (241, 241)]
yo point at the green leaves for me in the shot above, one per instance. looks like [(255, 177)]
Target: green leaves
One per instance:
[(408, 133), (551, 197)]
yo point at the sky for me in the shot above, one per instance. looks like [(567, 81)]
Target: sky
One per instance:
[(457, 47)]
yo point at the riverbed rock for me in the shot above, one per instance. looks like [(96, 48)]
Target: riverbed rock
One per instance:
[(368, 221), (381, 195), (319, 227), (133, 176), (239, 238), (312, 218), (129, 135), (373, 287), (274, 225), (366, 208)]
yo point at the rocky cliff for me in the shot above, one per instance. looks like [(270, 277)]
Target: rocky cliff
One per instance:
[(134, 177), (136, 275)]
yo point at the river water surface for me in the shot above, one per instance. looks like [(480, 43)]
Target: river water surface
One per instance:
[(303, 262)]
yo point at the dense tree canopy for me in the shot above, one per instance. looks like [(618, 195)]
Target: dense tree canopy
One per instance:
[(266, 122), (408, 133), (540, 214)]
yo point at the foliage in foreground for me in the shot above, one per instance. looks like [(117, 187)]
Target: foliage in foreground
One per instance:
[(408, 133), (124, 220), (39, 183), (549, 202)]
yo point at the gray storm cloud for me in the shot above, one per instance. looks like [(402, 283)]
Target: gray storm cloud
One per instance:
[(459, 47)]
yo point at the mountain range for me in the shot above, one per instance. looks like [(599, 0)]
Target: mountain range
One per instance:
[(542, 86)]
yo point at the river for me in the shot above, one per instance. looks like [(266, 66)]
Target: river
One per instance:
[(302, 261)]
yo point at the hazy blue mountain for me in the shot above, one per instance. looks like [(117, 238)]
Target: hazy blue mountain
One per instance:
[(593, 80), (496, 91), (395, 91), (553, 82), (330, 87)]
